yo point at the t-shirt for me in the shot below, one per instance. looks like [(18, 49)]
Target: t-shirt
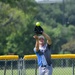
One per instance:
[(44, 55)]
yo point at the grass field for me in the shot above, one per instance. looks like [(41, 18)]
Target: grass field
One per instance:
[(9, 72), (56, 71), (63, 71)]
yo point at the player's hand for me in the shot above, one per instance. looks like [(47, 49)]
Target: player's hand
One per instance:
[(35, 37)]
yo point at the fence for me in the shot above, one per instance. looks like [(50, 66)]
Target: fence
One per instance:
[(63, 64), (8, 65)]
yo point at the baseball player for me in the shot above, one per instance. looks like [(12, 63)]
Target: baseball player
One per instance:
[(43, 51)]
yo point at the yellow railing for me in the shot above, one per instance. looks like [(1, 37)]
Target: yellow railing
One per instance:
[(9, 57), (53, 56), (27, 57)]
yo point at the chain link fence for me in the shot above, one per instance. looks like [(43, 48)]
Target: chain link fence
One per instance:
[(62, 64), (8, 67), (60, 67), (28, 65)]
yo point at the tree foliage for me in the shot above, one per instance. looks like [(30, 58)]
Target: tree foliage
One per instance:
[(17, 20), (70, 46)]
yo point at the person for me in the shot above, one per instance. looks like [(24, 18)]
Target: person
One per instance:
[(43, 51)]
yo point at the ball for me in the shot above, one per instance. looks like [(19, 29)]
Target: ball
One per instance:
[(37, 23)]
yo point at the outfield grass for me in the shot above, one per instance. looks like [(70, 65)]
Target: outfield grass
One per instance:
[(56, 71), (62, 71), (9, 72)]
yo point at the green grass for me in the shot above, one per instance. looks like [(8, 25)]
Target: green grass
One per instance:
[(62, 71), (56, 71), (30, 71), (9, 72)]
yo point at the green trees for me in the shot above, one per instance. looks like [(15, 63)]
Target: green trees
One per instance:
[(15, 27), (17, 20)]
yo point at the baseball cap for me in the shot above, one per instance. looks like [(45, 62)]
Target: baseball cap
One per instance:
[(41, 36)]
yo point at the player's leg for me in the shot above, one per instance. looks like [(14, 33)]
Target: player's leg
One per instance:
[(41, 70), (49, 70)]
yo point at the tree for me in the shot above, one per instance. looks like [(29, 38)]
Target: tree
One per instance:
[(70, 46), (17, 20), (15, 25)]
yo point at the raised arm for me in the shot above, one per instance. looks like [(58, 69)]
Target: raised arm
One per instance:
[(37, 42), (47, 37)]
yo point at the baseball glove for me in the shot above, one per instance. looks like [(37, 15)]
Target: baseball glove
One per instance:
[(38, 30)]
